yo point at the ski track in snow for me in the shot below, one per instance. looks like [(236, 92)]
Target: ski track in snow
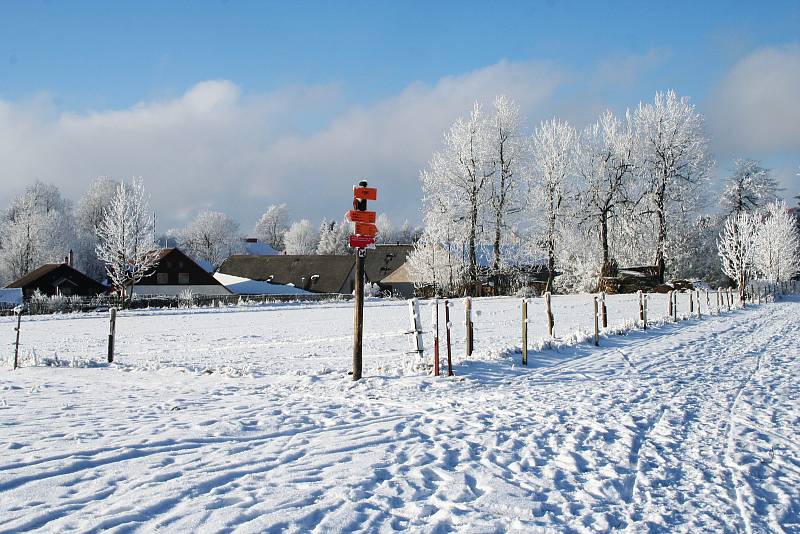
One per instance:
[(684, 428)]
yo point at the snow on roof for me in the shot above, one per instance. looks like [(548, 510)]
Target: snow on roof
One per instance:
[(246, 286), (259, 248)]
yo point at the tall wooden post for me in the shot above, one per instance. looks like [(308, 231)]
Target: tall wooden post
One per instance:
[(447, 325), (468, 323), (675, 306), (719, 300), (16, 344), (691, 302), (699, 314), (358, 326), (596, 323), (524, 332), (641, 308), (604, 310), (111, 332), (729, 298), (549, 309), (435, 337)]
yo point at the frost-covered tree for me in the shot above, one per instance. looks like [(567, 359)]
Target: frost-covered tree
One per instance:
[(736, 247), (673, 162), (457, 178), (211, 237), (37, 228), (554, 145), (126, 237), (432, 266), (333, 238), (777, 244), (88, 214), (386, 231), (272, 226), (508, 155), (301, 238), (603, 171), (749, 188)]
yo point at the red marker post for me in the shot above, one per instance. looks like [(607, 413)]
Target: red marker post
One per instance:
[(364, 236)]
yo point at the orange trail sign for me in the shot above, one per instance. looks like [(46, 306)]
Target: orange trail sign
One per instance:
[(361, 216), (365, 193), (366, 229)]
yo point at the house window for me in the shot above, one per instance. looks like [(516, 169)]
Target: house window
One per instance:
[(183, 278), (162, 278)]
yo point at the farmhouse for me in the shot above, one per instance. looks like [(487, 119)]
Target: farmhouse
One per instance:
[(58, 279), (318, 274), (177, 273)]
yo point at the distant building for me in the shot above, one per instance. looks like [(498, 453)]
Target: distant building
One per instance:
[(317, 273), (58, 279), (385, 266), (177, 273)]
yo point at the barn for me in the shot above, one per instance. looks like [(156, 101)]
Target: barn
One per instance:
[(58, 279), (177, 273)]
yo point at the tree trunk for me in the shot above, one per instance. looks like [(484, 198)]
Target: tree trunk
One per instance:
[(606, 268), (662, 231)]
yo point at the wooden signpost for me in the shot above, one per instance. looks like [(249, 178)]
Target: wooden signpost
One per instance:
[(363, 237)]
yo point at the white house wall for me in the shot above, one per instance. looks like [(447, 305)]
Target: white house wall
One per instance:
[(176, 290)]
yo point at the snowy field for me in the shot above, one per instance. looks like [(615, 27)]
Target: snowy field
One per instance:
[(244, 419)]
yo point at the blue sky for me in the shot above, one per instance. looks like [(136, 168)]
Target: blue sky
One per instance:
[(302, 78)]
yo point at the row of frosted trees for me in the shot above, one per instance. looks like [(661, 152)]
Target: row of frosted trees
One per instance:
[(624, 191)]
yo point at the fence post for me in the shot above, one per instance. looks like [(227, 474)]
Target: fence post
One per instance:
[(699, 314), (730, 297), (447, 328), (16, 344), (111, 333), (646, 300), (708, 303), (691, 302), (436, 337), (603, 309), (596, 323), (549, 309), (416, 327), (641, 308), (670, 305), (468, 323), (524, 332)]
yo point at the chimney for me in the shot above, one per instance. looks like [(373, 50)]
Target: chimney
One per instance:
[(71, 259)]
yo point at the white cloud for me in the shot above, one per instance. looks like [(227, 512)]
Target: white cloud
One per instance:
[(215, 146), (756, 107)]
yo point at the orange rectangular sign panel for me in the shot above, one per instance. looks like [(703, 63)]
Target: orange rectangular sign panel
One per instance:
[(365, 193), (357, 241), (366, 229), (361, 216)]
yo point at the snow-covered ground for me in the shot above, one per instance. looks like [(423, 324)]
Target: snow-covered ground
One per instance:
[(244, 419)]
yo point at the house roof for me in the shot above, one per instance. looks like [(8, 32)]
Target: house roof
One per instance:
[(383, 260), (320, 274), (35, 275)]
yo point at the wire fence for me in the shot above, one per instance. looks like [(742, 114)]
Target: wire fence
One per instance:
[(282, 336)]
